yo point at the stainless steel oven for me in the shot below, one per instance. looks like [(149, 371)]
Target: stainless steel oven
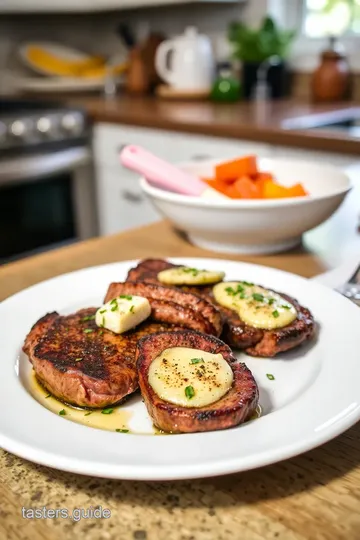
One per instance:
[(47, 193)]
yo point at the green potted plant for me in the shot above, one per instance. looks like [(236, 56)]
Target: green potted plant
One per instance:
[(253, 47)]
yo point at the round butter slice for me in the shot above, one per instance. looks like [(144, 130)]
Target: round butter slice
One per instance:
[(256, 306), (190, 377), (184, 275)]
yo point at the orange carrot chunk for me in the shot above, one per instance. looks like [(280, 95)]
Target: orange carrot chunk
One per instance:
[(271, 190), (247, 188), (297, 190), (231, 170)]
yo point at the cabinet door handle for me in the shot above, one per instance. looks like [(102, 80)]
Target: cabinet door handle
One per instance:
[(131, 196), (200, 157)]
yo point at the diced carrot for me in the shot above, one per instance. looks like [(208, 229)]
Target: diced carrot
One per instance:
[(261, 179), (215, 184), (208, 180), (231, 170), (247, 188), (271, 190), (297, 190)]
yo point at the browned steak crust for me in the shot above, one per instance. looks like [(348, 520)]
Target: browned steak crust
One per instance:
[(173, 306), (82, 364), (234, 408), (236, 333)]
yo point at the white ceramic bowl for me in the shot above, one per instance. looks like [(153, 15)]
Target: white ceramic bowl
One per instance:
[(255, 226)]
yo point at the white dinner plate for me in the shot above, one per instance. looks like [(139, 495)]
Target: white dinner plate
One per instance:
[(313, 397)]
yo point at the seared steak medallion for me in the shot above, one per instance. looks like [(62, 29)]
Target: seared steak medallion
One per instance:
[(174, 306), (235, 407), (236, 333), (81, 363)]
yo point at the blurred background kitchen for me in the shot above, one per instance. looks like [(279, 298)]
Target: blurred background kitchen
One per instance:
[(187, 80)]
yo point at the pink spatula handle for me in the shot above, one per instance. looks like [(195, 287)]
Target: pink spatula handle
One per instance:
[(161, 173)]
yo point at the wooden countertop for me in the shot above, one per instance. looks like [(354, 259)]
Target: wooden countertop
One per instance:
[(316, 495), (277, 123)]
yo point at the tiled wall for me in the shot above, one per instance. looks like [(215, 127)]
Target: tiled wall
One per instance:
[(96, 32)]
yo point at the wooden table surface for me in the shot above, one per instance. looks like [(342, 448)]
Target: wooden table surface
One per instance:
[(313, 496)]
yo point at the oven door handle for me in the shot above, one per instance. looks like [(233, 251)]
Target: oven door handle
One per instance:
[(37, 166)]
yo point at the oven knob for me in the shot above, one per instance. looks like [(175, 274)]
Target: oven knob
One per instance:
[(19, 129), (72, 123), (44, 125), (3, 132)]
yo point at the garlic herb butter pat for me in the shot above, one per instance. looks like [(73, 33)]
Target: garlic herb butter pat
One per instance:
[(184, 275), (123, 313)]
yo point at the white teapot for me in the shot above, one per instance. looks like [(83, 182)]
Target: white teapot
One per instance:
[(190, 66)]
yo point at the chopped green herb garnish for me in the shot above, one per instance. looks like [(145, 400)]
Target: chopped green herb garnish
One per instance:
[(258, 297), (275, 314), (247, 284), (285, 307), (62, 412), (88, 413), (49, 395), (114, 308), (122, 430), (189, 392), (242, 296), (193, 271), (102, 311), (270, 376), (113, 301), (103, 321), (78, 359), (196, 360), (132, 309), (233, 292), (126, 296), (271, 301), (107, 411), (88, 330), (88, 318), (101, 332)]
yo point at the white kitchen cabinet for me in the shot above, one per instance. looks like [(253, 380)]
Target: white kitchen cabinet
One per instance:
[(56, 6), (121, 203)]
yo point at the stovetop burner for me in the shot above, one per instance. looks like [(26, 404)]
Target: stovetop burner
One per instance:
[(29, 124)]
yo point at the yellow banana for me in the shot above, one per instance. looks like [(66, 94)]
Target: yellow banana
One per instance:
[(55, 65)]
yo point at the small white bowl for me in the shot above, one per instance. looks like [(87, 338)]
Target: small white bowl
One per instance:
[(255, 226)]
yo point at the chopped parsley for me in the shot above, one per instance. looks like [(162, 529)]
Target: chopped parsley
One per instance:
[(88, 318), (271, 301), (196, 360), (103, 321), (49, 395), (189, 392), (78, 359), (285, 307), (233, 292), (275, 314), (258, 297), (101, 332), (193, 271), (88, 330), (62, 412), (113, 301), (122, 430), (270, 376), (247, 284), (102, 311), (88, 413), (114, 308), (107, 411), (132, 309), (126, 296)]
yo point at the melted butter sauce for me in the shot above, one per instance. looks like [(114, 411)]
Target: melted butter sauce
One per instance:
[(118, 419)]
